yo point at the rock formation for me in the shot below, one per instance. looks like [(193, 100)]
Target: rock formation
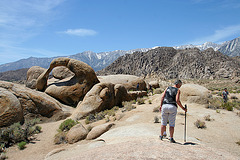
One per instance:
[(33, 104), (72, 89), (102, 96), (194, 93), (10, 108), (32, 75), (129, 81), (99, 130), (76, 133), (170, 63)]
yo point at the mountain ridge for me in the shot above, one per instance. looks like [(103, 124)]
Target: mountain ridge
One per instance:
[(101, 60)]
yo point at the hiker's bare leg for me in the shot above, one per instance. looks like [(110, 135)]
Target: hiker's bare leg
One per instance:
[(163, 128), (171, 130)]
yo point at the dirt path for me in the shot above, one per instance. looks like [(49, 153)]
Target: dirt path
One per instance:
[(222, 133)]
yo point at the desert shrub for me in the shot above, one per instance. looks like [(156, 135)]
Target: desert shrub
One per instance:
[(208, 118), (238, 142), (60, 137), (150, 101), (67, 125), (128, 106), (101, 115), (215, 103), (156, 119), (3, 156), (17, 132), (22, 145), (228, 106), (140, 101), (89, 128), (157, 91), (156, 109), (217, 111), (200, 124), (233, 97)]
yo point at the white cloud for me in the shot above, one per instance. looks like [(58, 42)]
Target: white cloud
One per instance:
[(80, 32), (219, 35), (22, 19)]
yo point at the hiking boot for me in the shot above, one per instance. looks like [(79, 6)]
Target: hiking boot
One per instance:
[(161, 137), (172, 140)]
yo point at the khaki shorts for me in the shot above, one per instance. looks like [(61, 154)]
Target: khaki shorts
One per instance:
[(169, 112)]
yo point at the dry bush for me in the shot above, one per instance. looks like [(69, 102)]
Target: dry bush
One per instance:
[(208, 118), (200, 124), (156, 119), (156, 109), (60, 138)]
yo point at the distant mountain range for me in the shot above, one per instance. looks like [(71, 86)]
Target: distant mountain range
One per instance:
[(101, 60), (170, 63)]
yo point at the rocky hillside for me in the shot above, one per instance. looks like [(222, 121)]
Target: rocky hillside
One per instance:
[(231, 48), (168, 63), (18, 76)]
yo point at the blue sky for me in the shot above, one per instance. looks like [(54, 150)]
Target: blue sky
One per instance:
[(47, 28)]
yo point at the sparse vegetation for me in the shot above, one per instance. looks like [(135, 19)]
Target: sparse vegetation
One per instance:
[(101, 115), (228, 106), (238, 142), (18, 133), (67, 125), (200, 124), (128, 106), (208, 118), (156, 109), (64, 127), (150, 101), (22, 145), (156, 119), (60, 137), (140, 101), (217, 111)]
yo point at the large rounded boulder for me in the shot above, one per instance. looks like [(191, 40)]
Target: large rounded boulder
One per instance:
[(102, 96), (130, 82), (33, 104), (194, 93), (10, 108), (72, 89), (32, 75)]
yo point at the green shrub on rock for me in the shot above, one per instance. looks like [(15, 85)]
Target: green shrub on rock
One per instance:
[(22, 145), (67, 125)]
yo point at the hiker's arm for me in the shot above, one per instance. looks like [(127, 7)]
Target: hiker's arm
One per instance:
[(160, 109), (179, 102)]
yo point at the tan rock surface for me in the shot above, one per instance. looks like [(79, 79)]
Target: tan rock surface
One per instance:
[(76, 133), (72, 89), (36, 104), (10, 109), (129, 81)]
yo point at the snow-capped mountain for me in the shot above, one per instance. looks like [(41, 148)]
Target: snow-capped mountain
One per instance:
[(231, 48), (100, 60), (202, 47), (97, 61)]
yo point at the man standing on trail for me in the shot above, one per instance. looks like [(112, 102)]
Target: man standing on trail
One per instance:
[(225, 95), (168, 107)]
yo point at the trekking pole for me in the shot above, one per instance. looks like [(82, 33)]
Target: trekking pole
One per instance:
[(185, 126)]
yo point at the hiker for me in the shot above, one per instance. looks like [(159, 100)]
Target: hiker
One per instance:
[(225, 95), (137, 87), (168, 107)]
